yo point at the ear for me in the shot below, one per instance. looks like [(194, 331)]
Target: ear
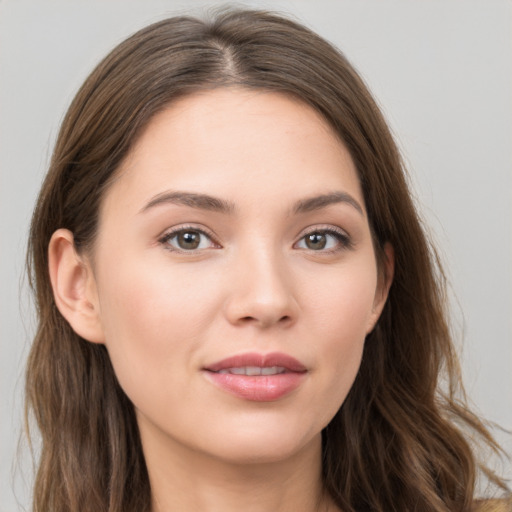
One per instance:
[(74, 287), (385, 279)]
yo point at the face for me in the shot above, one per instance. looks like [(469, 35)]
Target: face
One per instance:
[(235, 276)]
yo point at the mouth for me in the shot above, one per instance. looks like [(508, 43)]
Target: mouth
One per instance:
[(274, 362), (253, 370), (257, 377)]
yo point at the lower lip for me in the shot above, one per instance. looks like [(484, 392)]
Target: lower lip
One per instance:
[(263, 388)]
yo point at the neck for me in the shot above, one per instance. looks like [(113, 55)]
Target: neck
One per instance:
[(183, 479)]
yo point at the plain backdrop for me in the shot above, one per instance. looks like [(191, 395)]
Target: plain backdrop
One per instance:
[(440, 69)]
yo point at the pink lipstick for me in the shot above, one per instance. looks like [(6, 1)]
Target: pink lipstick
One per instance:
[(257, 377)]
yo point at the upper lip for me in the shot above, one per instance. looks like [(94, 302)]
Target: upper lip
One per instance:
[(262, 360)]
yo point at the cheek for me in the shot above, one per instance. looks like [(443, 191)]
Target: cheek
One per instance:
[(153, 320), (342, 300), (141, 295), (341, 311)]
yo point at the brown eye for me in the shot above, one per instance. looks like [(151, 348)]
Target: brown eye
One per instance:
[(188, 240), (316, 241), (325, 240)]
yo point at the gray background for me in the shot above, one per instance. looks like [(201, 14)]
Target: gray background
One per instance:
[(442, 71)]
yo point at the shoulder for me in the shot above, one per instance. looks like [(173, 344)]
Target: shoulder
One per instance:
[(501, 505)]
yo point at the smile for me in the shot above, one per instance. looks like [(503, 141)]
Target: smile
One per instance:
[(257, 377), (254, 370)]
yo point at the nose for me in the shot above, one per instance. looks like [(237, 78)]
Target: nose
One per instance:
[(261, 292)]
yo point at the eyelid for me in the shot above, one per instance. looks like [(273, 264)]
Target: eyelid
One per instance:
[(344, 239), (173, 231), (342, 235)]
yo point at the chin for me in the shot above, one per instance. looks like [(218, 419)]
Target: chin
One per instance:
[(261, 444), (243, 454)]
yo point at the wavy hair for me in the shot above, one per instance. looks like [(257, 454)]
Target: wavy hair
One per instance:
[(394, 445)]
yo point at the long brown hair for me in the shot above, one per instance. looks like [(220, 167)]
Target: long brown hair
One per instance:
[(394, 444)]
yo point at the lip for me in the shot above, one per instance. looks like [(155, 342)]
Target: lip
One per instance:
[(263, 388)]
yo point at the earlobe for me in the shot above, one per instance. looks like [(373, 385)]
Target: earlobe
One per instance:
[(74, 287), (385, 280)]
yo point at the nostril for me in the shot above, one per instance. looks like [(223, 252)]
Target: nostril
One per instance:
[(285, 319)]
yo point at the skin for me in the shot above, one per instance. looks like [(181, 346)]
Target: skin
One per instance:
[(252, 285)]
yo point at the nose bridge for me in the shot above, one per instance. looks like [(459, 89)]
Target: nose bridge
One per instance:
[(262, 289)]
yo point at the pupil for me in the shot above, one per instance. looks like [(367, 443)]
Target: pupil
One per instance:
[(189, 240), (316, 241)]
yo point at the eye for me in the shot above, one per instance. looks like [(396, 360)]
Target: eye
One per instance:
[(327, 240), (188, 239)]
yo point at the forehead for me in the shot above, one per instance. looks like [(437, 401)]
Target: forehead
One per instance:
[(237, 144)]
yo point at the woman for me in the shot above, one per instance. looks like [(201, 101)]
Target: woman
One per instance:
[(238, 305)]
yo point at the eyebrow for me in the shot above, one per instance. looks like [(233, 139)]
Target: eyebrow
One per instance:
[(210, 203), (191, 199), (324, 200)]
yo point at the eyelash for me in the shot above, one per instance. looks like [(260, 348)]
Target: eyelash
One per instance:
[(343, 239), (164, 240)]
